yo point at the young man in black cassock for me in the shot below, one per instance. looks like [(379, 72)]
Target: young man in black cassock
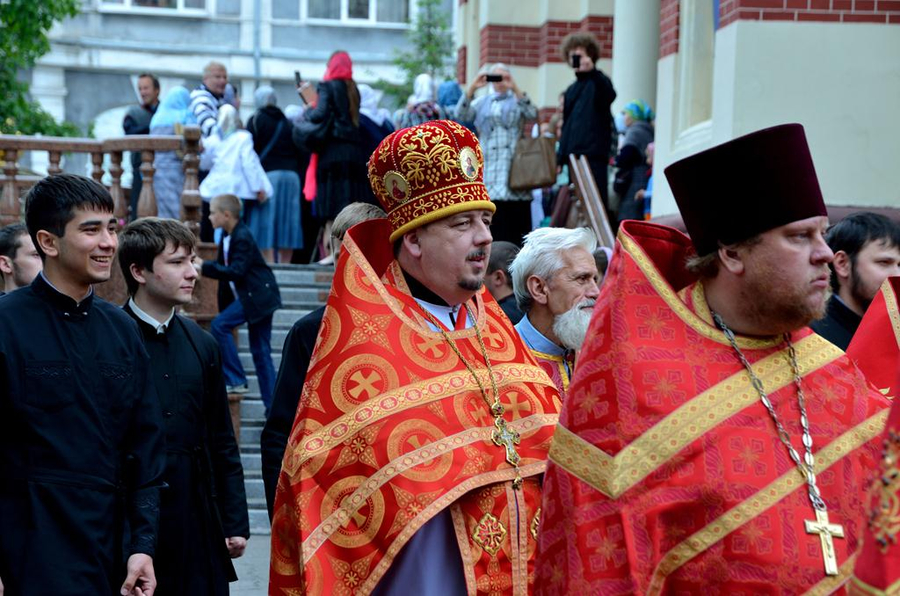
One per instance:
[(203, 518), (82, 448)]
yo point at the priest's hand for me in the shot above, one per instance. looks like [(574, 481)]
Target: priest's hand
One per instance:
[(141, 580), (236, 546)]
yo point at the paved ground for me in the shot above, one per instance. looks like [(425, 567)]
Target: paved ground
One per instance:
[(253, 569)]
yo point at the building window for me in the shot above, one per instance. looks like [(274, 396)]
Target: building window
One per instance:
[(188, 6), (395, 12), (696, 47)]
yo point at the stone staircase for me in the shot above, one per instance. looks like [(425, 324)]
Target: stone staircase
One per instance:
[(303, 289)]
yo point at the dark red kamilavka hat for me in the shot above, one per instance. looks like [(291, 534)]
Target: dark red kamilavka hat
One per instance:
[(746, 186)]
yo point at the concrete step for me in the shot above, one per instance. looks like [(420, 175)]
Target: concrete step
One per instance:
[(252, 408), (247, 359), (251, 430), (250, 458), (305, 293), (286, 317), (259, 521), (253, 484), (278, 337), (295, 277)]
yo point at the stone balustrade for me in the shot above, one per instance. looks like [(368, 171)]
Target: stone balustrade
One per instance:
[(14, 185)]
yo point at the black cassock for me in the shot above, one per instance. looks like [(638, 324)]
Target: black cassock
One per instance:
[(205, 500), (81, 444)]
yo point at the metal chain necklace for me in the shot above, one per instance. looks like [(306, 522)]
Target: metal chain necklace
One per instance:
[(821, 526), (502, 435)]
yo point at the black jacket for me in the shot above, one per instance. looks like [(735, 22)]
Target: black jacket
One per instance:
[(295, 356), (587, 123), (205, 501), (344, 140), (284, 154), (253, 280), (839, 325), (82, 445)]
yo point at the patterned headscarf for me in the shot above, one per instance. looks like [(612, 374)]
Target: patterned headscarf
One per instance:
[(228, 120), (639, 111)]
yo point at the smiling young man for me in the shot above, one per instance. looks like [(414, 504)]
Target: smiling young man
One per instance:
[(710, 441), (415, 460), (19, 260), (866, 252), (203, 514), (555, 280), (81, 437)]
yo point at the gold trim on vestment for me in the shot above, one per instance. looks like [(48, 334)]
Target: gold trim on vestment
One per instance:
[(832, 583), (560, 362), (517, 510), (667, 293), (857, 586), (763, 499), (422, 455), (436, 507), (613, 475), (701, 307), (890, 303), (465, 549), (410, 396), (356, 254)]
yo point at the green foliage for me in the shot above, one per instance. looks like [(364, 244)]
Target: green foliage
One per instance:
[(23, 39), (431, 51)]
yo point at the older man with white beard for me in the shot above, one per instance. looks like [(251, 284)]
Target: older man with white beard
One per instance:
[(556, 283)]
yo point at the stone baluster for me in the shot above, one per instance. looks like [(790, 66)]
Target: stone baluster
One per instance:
[(190, 194), (147, 199), (97, 170), (9, 207), (54, 159), (115, 188)]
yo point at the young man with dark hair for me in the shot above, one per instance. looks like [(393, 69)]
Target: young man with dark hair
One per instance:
[(19, 260), (203, 514), (499, 281), (248, 293), (81, 437), (866, 250), (587, 122)]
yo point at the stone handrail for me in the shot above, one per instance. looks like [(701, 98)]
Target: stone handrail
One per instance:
[(12, 145)]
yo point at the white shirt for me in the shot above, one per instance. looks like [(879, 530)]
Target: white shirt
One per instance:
[(159, 326), (447, 315)]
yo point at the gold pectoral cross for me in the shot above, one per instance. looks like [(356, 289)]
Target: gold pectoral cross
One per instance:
[(826, 532), (503, 436)]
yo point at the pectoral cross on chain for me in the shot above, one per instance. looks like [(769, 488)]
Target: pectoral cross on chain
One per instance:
[(503, 436), (826, 531)]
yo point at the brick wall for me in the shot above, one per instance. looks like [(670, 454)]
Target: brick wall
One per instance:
[(843, 11), (668, 27), (532, 46), (461, 54)]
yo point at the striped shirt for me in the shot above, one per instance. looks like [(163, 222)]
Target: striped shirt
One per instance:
[(205, 107)]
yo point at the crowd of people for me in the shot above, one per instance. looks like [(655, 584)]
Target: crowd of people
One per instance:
[(480, 407)]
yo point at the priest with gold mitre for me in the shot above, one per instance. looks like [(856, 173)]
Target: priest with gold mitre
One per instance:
[(415, 460), (710, 442)]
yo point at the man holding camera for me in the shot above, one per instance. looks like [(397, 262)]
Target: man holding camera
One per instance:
[(587, 124)]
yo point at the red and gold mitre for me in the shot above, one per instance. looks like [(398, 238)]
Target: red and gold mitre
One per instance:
[(428, 172)]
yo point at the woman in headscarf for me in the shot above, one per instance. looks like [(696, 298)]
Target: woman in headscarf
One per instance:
[(280, 158), (631, 161), (235, 170), (173, 113), (337, 174), (421, 106), (499, 116), (374, 121)]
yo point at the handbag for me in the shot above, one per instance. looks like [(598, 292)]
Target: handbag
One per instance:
[(313, 136), (533, 164)]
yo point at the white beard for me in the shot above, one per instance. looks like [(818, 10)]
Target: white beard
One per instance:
[(571, 326)]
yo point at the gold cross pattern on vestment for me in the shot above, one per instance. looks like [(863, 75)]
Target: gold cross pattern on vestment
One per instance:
[(503, 436), (826, 532)]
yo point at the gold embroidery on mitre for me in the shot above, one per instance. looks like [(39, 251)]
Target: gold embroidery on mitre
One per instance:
[(489, 534), (535, 523), (469, 164)]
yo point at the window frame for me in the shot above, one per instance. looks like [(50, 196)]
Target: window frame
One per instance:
[(345, 21), (180, 10)]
